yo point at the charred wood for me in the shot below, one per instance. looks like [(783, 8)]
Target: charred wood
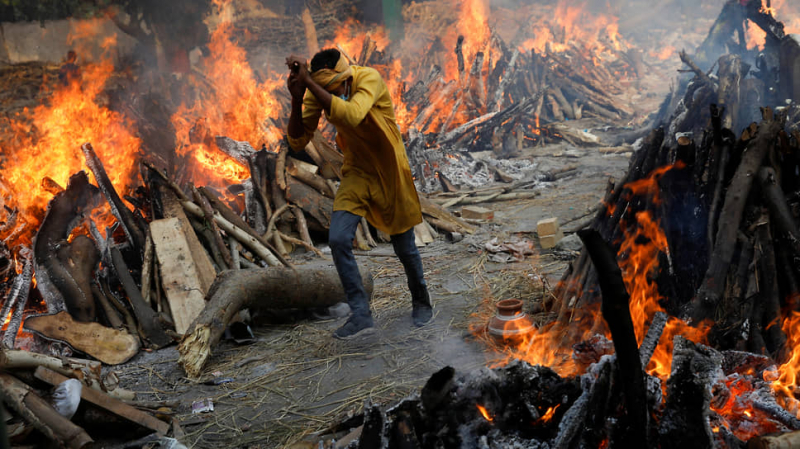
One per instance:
[(55, 281), (126, 218), (631, 429)]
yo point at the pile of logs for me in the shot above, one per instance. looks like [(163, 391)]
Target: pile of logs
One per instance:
[(67, 399), (504, 104)]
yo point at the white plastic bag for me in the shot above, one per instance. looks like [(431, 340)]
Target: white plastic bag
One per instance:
[(67, 396)]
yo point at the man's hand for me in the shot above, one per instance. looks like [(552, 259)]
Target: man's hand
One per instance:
[(298, 76)]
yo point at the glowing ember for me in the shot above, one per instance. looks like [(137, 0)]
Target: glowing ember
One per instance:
[(485, 413), (548, 415)]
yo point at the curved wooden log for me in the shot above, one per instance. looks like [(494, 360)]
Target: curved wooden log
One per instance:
[(631, 429), (60, 290), (270, 288)]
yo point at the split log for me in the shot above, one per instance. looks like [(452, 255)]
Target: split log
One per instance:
[(108, 403), (631, 429), (149, 325), (443, 219), (110, 346), (332, 169), (709, 293), (54, 280), (40, 414), (125, 217), (234, 290), (313, 180), (179, 273), (311, 201)]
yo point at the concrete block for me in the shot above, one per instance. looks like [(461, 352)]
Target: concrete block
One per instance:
[(477, 213), (549, 241), (548, 226)]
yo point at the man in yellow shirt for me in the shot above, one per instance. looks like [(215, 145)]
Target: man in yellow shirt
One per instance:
[(376, 178)]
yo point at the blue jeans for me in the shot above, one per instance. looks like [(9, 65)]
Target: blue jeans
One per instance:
[(340, 238)]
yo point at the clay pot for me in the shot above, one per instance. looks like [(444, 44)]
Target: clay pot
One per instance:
[(510, 322)]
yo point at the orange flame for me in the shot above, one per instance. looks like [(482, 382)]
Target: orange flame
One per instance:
[(485, 413), (548, 415), (49, 145), (232, 104)]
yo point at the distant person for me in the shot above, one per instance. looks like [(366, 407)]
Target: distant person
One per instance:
[(376, 177), (69, 70)]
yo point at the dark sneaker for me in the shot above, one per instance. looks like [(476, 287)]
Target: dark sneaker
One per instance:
[(421, 314), (354, 327)]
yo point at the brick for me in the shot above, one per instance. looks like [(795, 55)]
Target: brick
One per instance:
[(548, 226), (549, 241), (477, 213)]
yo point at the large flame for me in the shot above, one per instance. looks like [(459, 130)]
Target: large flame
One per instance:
[(48, 145), (229, 103)]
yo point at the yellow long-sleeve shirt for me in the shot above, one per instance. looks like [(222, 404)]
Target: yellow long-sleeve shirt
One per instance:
[(376, 177)]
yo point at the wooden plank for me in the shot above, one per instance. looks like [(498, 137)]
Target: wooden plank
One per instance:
[(180, 274), (110, 346), (205, 269), (106, 402)]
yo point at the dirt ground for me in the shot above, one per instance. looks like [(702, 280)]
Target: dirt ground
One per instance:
[(296, 379)]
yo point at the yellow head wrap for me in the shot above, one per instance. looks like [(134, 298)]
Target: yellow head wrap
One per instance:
[(330, 79)]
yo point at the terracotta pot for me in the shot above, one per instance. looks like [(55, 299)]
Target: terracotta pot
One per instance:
[(510, 322)]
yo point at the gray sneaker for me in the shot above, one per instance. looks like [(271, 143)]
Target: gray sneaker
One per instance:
[(355, 326)]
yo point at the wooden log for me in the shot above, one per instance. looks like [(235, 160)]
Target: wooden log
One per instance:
[(302, 225), (313, 180), (208, 215), (54, 280), (40, 414), (108, 403), (769, 296), (650, 341), (286, 288), (708, 294), (444, 218), (149, 324), (17, 298), (112, 316), (310, 200), (631, 429), (110, 346), (237, 222), (334, 159), (147, 267), (280, 168), (265, 253), (782, 217), (125, 217), (312, 45)]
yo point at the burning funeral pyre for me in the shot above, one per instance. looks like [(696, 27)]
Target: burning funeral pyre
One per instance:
[(696, 226)]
